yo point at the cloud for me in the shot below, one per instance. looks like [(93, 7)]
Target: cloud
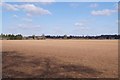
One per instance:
[(105, 12), (15, 16), (115, 5), (28, 26), (25, 28), (94, 5), (9, 7), (31, 9), (44, 2), (36, 0), (34, 10), (82, 25)]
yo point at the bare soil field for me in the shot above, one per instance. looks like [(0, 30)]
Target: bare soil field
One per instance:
[(60, 58)]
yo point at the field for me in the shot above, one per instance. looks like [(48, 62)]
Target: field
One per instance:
[(60, 58)]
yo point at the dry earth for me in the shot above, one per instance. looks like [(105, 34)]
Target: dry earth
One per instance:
[(60, 58)]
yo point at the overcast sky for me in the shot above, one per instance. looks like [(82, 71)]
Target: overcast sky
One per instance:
[(59, 18)]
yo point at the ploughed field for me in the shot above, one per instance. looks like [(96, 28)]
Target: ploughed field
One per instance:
[(60, 58)]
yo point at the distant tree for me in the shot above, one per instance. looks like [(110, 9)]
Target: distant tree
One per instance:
[(65, 37), (33, 36), (19, 37), (1, 36), (43, 36)]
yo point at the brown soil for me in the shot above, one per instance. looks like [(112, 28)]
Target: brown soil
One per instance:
[(60, 58)]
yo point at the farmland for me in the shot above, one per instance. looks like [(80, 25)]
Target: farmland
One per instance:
[(60, 58)]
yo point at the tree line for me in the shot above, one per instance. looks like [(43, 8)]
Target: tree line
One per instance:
[(21, 37), (85, 37), (11, 36)]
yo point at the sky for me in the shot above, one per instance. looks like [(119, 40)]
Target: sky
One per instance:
[(60, 0), (59, 18)]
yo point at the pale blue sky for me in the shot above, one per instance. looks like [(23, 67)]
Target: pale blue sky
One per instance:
[(60, 0), (59, 18)]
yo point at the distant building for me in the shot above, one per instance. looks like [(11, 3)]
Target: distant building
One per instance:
[(34, 38), (38, 37)]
